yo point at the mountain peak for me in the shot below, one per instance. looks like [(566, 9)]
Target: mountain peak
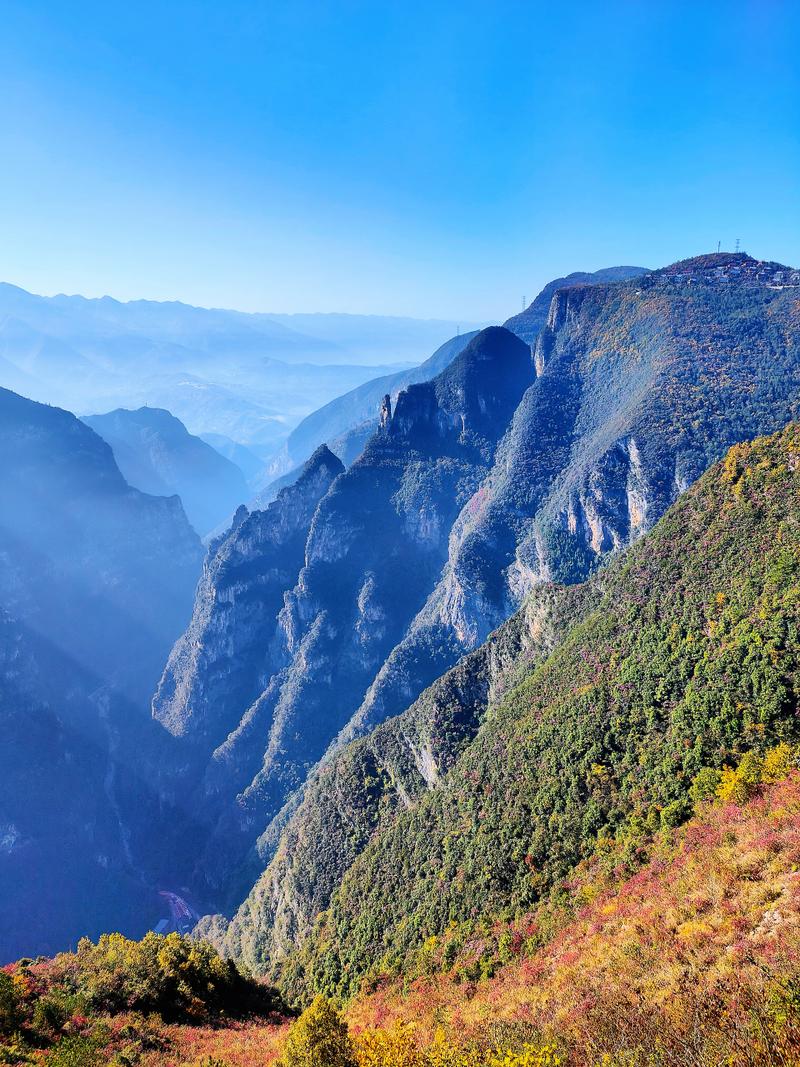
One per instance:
[(477, 392), (321, 457), (730, 266)]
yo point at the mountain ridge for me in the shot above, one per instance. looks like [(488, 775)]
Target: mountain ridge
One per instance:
[(157, 454)]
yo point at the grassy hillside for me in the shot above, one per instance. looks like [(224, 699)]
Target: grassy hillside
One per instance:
[(694, 959)]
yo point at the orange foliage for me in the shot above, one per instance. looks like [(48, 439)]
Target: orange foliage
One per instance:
[(703, 944)]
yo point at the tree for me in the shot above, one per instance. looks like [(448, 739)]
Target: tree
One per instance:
[(319, 1038)]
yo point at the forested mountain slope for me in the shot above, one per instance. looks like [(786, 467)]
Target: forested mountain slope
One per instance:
[(529, 322), (513, 467), (588, 715), (682, 952)]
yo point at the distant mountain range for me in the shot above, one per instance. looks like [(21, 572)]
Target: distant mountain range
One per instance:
[(248, 377)]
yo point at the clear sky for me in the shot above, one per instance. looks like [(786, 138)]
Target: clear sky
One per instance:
[(434, 159)]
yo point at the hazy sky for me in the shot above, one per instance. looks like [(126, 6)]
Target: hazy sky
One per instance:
[(432, 159)]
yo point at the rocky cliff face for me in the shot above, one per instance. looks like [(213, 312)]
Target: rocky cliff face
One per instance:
[(338, 418), (639, 387), (583, 721), (505, 473), (226, 657), (529, 322), (374, 551)]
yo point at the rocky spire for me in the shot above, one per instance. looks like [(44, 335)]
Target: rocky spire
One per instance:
[(386, 411)]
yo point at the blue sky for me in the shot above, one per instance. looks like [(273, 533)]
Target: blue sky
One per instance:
[(431, 159)]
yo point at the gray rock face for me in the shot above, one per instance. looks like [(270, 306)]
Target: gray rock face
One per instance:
[(522, 464), (228, 653), (374, 551), (639, 388)]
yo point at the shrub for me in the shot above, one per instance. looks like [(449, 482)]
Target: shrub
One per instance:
[(319, 1038), (396, 1045), (75, 1052), (50, 1014), (673, 814), (176, 977), (779, 762)]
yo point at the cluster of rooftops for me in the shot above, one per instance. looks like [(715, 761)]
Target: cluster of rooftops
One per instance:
[(729, 267)]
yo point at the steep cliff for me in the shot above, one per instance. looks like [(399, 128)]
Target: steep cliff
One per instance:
[(369, 782), (71, 801), (102, 571), (339, 417), (640, 386), (530, 321), (96, 581), (631, 389), (374, 552), (220, 665)]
